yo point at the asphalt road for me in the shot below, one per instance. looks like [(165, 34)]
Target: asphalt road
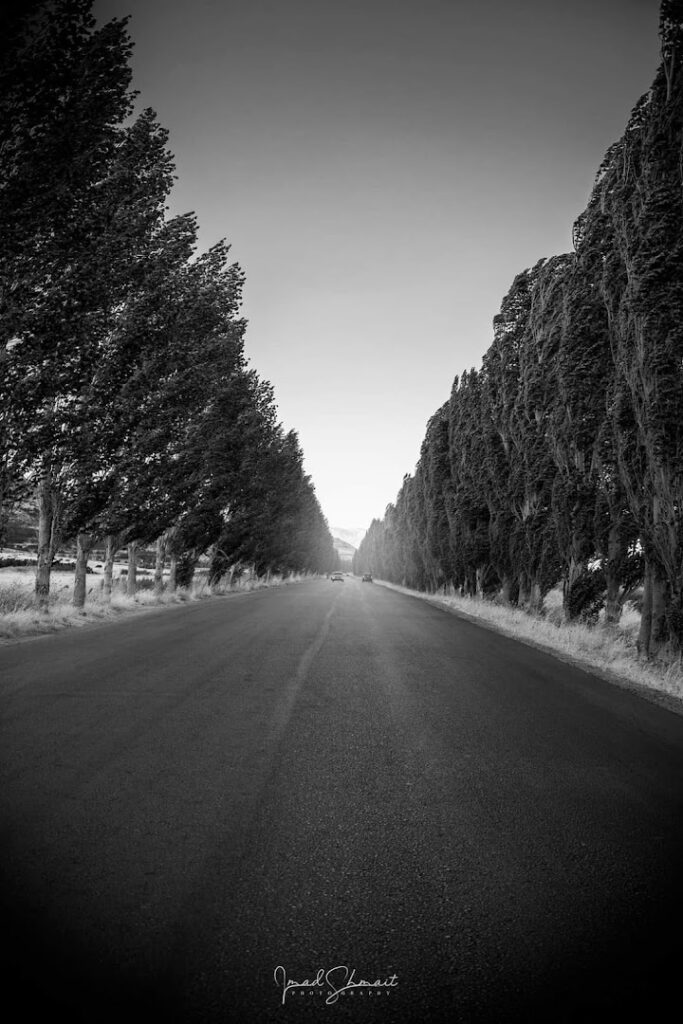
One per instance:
[(333, 778)]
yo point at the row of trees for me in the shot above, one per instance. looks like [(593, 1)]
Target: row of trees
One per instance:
[(127, 406), (561, 458)]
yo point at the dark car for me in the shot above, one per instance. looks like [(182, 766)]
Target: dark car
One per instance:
[(366, 577)]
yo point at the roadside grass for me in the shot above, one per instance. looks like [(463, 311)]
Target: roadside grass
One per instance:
[(21, 617), (612, 652)]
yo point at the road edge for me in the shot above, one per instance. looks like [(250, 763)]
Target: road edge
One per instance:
[(122, 614), (650, 693)]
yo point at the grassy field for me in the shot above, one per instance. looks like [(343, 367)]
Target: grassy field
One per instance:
[(21, 617)]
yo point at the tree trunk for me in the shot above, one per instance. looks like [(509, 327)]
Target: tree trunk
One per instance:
[(131, 584), (189, 575), (159, 565), (646, 612), (675, 619), (575, 570), (48, 532), (653, 632), (111, 544), (613, 602), (524, 593), (510, 591), (84, 543), (659, 631), (172, 573), (535, 598)]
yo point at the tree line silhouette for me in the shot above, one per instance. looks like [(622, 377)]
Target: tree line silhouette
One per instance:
[(561, 458), (128, 409)]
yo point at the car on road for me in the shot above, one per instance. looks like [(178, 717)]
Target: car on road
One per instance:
[(337, 577), (366, 577)]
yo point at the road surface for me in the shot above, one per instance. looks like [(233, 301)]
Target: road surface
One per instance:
[(204, 807)]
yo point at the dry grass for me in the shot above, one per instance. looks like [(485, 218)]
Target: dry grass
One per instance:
[(612, 652), (20, 615)]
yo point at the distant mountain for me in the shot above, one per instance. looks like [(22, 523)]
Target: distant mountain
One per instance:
[(352, 535), (345, 550)]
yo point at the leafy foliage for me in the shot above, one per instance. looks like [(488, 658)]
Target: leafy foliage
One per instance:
[(126, 399), (564, 456)]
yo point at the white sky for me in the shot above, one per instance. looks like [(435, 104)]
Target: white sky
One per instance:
[(383, 169)]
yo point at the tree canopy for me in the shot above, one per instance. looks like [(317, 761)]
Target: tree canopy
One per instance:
[(128, 406), (561, 459)]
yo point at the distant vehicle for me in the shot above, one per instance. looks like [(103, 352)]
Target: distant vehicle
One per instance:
[(337, 577), (366, 577)]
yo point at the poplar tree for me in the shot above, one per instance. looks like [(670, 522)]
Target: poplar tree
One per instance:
[(637, 202), (65, 87)]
